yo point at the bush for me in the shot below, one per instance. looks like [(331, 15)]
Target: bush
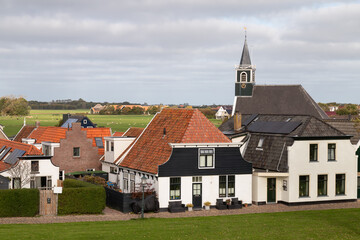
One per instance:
[(80, 197), (19, 202)]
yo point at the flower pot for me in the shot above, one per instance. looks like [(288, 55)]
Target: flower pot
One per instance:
[(190, 209), (207, 207)]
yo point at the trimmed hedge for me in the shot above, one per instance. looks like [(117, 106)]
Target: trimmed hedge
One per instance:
[(19, 202), (80, 197)]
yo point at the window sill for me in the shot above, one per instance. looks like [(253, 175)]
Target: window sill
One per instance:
[(340, 195), (320, 196), (206, 167), (332, 160), (34, 172), (314, 161), (304, 196), (259, 149)]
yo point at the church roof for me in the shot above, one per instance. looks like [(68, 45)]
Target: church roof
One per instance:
[(279, 99), (245, 57)]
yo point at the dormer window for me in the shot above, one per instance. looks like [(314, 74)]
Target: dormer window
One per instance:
[(260, 144), (206, 158), (243, 77)]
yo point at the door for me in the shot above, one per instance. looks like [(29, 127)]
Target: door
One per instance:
[(197, 199), (358, 194), (48, 202), (271, 190), (43, 182)]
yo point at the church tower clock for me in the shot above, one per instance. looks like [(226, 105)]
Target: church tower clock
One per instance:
[(245, 74)]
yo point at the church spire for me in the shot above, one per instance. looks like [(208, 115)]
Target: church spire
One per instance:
[(245, 57)]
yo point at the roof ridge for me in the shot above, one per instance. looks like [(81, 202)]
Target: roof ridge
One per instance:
[(312, 101), (188, 124)]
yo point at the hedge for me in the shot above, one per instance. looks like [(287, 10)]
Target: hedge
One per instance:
[(19, 202), (81, 198)]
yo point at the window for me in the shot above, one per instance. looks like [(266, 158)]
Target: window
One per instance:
[(46, 150), (61, 175), (197, 179), (175, 188), (126, 183), (34, 166), (16, 183), (227, 186), (340, 184), (85, 121), (243, 77), (303, 186), (331, 151), (132, 182), (260, 143), (107, 146), (49, 182), (32, 182), (113, 170), (206, 158), (99, 142), (322, 185), (112, 146), (313, 152), (76, 152)]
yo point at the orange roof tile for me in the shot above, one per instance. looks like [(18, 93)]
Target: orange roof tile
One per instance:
[(133, 132), (181, 126), (97, 132), (48, 134), (29, 150), (23, 133)]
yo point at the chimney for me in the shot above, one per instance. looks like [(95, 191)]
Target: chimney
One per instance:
[(237, 121), (37, 124)]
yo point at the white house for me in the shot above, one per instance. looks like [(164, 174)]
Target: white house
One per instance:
[(25, 166), (184, 158), (223, 112), (298, 159)]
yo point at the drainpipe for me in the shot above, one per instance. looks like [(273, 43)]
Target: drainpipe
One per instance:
[(277, 168)]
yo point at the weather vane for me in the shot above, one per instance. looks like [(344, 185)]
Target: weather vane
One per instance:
[(245, 32)]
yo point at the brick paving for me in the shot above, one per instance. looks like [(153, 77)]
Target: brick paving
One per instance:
[(113, 215)]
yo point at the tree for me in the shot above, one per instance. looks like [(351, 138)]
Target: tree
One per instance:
[(14, 106), (153, 110), (348, 109), (21, 171)]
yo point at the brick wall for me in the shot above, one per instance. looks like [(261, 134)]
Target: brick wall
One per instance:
[(89, 156)]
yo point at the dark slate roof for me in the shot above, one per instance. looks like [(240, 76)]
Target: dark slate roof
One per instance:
[(279, 99), (245, 57), (348, 127), (273, 155)]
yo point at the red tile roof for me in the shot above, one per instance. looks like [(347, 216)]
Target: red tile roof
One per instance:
[(133, 132), (152, 148), (29, 150), (48, 134), (97, 132), (24, 133)]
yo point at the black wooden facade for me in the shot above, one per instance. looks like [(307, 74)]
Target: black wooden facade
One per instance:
[(184, 162)]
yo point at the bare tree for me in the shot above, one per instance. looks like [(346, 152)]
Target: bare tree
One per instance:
[(21, 171)]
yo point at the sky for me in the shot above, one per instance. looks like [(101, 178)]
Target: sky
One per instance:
[(173, 52)]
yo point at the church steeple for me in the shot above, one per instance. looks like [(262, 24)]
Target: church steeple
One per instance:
[(245, 57), (245, 74)]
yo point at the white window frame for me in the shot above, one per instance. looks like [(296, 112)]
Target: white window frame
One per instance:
[(206, 159)]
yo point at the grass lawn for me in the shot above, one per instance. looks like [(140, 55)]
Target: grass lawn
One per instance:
[(52, 117), (327, 224)]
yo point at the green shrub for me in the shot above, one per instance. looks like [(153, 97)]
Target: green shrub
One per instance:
[(80, 197), (72, 183), (19, 202)]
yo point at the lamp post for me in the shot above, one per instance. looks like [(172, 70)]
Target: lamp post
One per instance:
[(143, 182)]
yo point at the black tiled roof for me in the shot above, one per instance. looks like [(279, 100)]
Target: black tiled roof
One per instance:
[(279, 99)]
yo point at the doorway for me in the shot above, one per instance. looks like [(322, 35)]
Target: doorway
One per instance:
[(197, 198), (271, 190)]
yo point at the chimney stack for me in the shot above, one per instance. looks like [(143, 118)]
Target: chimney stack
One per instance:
[(37, 124), (237, 121)]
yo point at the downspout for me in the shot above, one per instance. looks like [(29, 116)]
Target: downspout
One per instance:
[(277, 168)]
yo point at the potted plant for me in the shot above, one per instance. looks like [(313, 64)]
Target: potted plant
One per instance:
[(228, 202), (207, 205), (190, 206)]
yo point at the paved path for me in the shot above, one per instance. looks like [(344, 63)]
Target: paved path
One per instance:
[(113, 215)]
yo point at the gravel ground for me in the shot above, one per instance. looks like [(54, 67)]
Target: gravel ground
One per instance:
[(113, 215)]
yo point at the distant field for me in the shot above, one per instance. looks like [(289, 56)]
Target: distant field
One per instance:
[(52, 117), (328, 224)]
